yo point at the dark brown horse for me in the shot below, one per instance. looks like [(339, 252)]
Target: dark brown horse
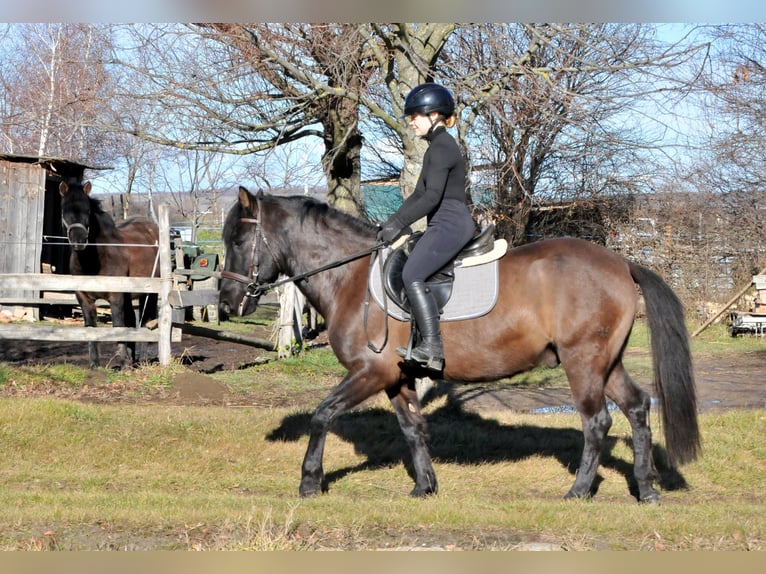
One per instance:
[(561, 301), (100, 247)]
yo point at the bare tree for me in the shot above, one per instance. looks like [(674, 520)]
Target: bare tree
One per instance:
[(54, 76), (248, 89), (735, 86), (732, 163), (555, 110)]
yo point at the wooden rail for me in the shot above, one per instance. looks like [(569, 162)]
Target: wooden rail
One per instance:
[(163, 285)]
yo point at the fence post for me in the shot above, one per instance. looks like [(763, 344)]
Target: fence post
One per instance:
[(291, 302), (165, 311)]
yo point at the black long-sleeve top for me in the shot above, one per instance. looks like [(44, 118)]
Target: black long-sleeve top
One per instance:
[(442, 177)]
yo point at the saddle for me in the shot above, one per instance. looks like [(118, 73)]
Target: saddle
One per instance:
[(441, 282)]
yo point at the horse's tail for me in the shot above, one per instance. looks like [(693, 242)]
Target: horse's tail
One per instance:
[(673, 377)]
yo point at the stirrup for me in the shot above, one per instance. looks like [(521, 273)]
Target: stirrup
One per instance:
[(431, 362)]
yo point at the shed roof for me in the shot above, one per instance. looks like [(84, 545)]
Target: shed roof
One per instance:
[(55, 164)]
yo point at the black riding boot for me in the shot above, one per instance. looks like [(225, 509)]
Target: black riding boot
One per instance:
[(429, 353)]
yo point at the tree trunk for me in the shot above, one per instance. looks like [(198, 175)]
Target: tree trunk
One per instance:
[(342, 166)]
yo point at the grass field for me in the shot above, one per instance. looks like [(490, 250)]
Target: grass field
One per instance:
[(153, 476), (84, 476)]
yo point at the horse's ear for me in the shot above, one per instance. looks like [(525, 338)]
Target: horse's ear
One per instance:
[(63, 188), (260, 193), (86, 187), (245, 198)]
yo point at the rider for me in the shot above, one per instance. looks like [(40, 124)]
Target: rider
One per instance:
[(440, 195)]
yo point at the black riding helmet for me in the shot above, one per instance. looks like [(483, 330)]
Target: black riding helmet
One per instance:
[(427, 98)]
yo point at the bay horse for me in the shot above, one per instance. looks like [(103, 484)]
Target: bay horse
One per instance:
[(99, 246), (561, 301)]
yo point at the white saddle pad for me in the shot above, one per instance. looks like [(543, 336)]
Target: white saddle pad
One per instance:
[(473, 294)]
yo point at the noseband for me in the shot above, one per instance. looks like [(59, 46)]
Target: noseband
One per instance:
[(69, 226)]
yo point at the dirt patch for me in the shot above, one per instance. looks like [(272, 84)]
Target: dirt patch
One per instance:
[(737, 381), (195, 388)]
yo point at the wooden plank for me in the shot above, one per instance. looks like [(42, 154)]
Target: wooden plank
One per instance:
[(728, 304), (37, 301), (22, 196), (73, 334), (100, 283), (201, 297)]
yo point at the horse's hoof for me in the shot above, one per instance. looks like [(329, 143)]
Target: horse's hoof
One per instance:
[(422, 492), (572, 495), (310, 489), (651, 498), (308, 492)]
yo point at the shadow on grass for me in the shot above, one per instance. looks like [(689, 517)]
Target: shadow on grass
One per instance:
[(461, 437)]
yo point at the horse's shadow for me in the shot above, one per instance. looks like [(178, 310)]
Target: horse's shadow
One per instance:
[(463, 437)]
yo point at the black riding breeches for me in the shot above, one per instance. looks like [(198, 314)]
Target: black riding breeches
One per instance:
[(448, 231)]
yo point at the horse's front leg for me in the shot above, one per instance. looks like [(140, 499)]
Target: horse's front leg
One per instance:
[(121, 305), (407, 406), (88, 308), (353, 389)]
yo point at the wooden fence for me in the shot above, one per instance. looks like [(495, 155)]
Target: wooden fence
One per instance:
[(168, 298)]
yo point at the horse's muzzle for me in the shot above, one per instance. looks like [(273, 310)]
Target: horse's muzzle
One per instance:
[(235, 306), (224, 310), (77, 235)]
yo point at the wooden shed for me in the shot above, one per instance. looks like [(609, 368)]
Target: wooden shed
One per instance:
[(30, 217)]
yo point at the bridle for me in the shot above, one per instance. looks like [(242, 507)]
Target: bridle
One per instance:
[(253, 267), (254, 289)]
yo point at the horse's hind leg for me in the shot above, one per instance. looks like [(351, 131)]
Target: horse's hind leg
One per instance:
[(634, 403), (147, 308), (595, 427), (407, 406), (147, 311), (588, 393)]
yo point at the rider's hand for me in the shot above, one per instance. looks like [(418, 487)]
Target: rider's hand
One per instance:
[(390, 230)]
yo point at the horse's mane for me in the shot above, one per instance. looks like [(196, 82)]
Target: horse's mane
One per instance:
[(316, 209), (307, 208), (96, 207), (106, 221)]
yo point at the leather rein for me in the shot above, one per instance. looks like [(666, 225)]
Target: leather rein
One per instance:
[(256, 290)]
